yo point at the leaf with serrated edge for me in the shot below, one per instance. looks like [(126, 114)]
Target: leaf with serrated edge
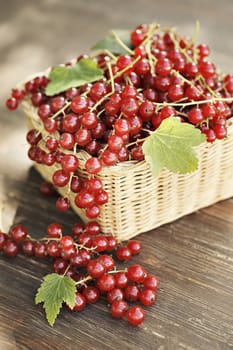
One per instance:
[(54, 290), (110, 43), (62, 78), (170, 147)]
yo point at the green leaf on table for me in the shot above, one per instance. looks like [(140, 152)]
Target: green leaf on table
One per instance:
[(171, 147), (111, 44), (64, 77), (54, 290)]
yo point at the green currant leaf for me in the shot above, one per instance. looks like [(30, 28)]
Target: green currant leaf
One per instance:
[(171, 147), (111, 44), (62, 78), (54, 290)]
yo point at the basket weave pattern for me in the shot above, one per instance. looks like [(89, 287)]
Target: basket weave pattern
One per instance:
[(138, 202)]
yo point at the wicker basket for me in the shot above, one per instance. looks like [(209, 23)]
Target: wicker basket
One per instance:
[(138, 202)]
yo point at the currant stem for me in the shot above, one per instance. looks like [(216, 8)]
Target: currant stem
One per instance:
[(122, 44)]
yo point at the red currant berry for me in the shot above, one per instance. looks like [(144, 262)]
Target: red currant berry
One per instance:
[(107, 261), (54, 230), (134, 246), (131, 293), (62, 204), (121, 280), (60, 178), (92, 294), (28, 247), (92, 228), (12, 103), (66, 242), (118, 308), (10, 248), (93, 165), (151, 282), (84, 199), (106, 282), (95, 268), (69, 163), (100, 243), (147, 297), (79, 104), (135, 315), (18, 233), (123, 253), (40, 249), (80, 302), (53, 249), (115, 294)]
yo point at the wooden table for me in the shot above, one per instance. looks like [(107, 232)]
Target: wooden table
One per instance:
[(193, 257)]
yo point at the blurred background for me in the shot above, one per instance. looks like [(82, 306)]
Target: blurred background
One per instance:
[(35, 34)]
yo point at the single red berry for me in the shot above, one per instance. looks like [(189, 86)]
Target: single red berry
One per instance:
[(67, 140), (76, 184), (151, 282), (92, 228), (18, 233), (147, 297), (10, 248), (129, 106), (195, 115), (80, 302), (12, 103), (131, 292), (118, 308), (92, 294), (121, 280), (83, 137), (67, 253), (79, 104), (62, 204), (69, 163), (95, 268), (114, 294), (107, 261), (100, 243), (136, 273), (101, 197), (77, 229), (163, 66), (93, 165), (112, 243), (106, 282), (134, 246), (66, 242), (135, 315), (123, 253), (40, 249), (60, 178), (28, 247), (71, 123), (89, 120), (60, 265), (84, 199), (53, 249), (54, 230), (109, 158), (85, 240)]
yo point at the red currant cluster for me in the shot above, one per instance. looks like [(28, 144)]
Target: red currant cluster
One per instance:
[(85, 257), (164, 75)]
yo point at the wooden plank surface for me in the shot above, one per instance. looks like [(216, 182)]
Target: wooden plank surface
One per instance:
[(193, 257)]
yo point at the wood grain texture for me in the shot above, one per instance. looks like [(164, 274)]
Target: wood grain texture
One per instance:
[(193, 256)]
